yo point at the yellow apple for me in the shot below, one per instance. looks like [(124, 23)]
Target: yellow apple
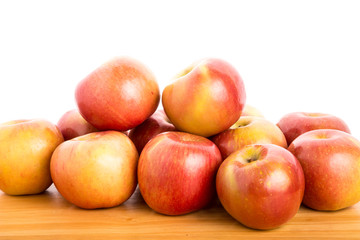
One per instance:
[(251, 111), (25, 151), (96, 170), (248, 130)]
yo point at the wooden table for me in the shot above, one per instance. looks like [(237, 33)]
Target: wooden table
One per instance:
[(49, 216)]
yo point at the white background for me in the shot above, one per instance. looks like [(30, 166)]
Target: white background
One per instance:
[(292, 55)]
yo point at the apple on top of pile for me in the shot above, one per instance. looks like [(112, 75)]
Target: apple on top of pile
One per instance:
[(205, 143)]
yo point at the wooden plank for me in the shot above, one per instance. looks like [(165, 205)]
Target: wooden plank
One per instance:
[(49, 216)]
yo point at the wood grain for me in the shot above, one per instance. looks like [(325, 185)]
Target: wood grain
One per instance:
[(49, 216)]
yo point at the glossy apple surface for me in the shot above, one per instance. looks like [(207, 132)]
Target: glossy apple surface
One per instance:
[(72, 125), (96, 170), (177, 172), (261, 186), (296, 123), (206, 99), (151, 127), (331, 163), (248, 130), (119, 95), (25, 151)]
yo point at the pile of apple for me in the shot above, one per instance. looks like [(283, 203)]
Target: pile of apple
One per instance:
[(205, 143)]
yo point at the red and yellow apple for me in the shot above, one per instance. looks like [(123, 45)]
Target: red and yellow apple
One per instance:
[(248, 130), (119, 95), (25, 151), (296, 123), (251, 111), (96, 170), (72, 125), (261, 186), (206, 99), (331, 163), (176, 172), (154, 125)]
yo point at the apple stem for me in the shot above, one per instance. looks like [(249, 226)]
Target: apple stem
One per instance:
[(251, 159)]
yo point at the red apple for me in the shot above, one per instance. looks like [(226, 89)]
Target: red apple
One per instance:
[(296, 123), (331, 163), (119, 95), (72, 125), (96, 170), (176, 172), (154, 125), (206, 99), (248, 130), (25, 151), (261, 186)]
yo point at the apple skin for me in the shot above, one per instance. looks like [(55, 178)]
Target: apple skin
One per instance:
[(176, 172), (261, 186), (72, 125), (251, 111), (206, 99), (96, 170), (25, 151), (248, 130), (296, 123), (331, 163), (151, 127), (119, 95)]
